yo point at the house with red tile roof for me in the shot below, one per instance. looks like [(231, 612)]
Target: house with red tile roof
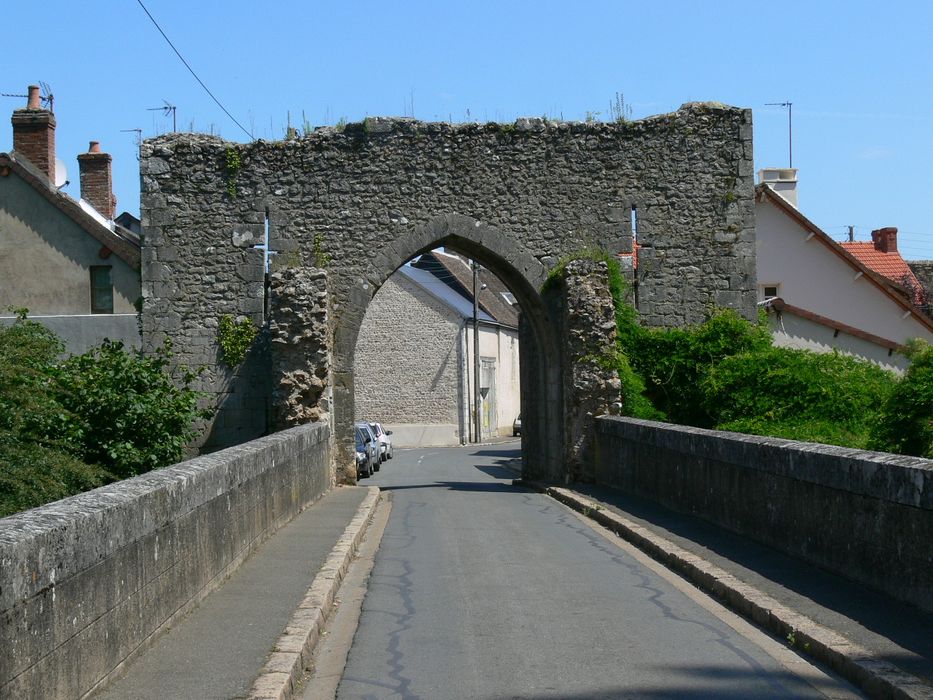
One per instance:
[(881, 256), (821, 295)]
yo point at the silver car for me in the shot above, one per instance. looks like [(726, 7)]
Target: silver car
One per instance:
[(385, 442)]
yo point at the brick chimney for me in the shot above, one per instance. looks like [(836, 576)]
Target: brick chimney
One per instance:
[(97, 180), (34, 134), (885, 239)]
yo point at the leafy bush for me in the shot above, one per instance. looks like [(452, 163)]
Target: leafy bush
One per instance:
[(905, 424), (126, 414), (28, 408), (31, 474), (675, 361), (797, 394), (76, 424)]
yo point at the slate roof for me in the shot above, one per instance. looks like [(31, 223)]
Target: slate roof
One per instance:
[(454, 271), (461, 305), (890, 265), (122, 242)]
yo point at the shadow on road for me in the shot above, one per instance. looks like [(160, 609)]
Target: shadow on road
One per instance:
[(907, 626), (494, 486)]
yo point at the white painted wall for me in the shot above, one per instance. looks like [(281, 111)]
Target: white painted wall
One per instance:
[(502, 344), (791, 331), (814, 278)]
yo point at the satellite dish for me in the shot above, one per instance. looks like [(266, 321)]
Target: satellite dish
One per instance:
[(61, 173)]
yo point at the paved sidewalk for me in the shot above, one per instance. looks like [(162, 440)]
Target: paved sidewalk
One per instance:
[(218, 650), (897, 633)]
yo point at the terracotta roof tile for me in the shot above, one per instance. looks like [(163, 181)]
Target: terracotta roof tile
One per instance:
[(890, 265)]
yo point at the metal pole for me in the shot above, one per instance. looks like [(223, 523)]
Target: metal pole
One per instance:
[(790, 133), (476, 406)]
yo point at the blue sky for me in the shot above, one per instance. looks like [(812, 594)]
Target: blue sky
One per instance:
[(859, 74)]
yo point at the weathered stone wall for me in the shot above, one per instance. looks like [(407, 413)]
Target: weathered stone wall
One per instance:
[(417, 337), (299, 346), (923, 269), (591, 382), (362, 201), (865, 515), (86, 581)]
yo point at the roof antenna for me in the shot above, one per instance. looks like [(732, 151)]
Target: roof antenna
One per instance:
[(167, 109), (790, 132), (138, 140), (47, 97)]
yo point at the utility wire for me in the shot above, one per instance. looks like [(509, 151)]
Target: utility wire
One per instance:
[(191, 70)]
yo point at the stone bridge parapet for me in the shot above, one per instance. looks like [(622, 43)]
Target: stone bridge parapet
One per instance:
[(864, 515), (86, 581)]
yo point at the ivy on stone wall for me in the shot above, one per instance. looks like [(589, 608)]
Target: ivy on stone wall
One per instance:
[(233, 166), (235, 338)]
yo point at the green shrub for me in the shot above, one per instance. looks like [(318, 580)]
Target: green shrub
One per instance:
[(28, 408), (675, 361), (126, 414), (905, 423), (32, 474), (235, 338), (797, 394)]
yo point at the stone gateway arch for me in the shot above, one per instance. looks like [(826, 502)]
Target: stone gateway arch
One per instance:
[(337, 211)]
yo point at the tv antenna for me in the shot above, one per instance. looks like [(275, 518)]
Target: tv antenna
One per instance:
[(48, 99), (138, 140), (790, 132), (167, 109)]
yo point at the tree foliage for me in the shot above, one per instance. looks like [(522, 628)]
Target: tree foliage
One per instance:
[(74, 424), (906, 421), (126, 414), (797, 394)]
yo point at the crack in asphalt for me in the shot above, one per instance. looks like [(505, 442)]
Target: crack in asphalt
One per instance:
[(655, 594), (402, 584)]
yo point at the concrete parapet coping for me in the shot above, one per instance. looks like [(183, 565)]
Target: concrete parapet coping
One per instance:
[(47, 544), (857, 664), (293, 650), (896, 478)]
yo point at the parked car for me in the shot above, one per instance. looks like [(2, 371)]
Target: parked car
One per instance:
[(385, 442), (373, 441), (365, 454), (517, 426)]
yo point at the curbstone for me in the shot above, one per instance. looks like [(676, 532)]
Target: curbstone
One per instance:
[(293, 650), (878, 678)]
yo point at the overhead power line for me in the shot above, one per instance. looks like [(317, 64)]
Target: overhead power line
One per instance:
[(191, 70)]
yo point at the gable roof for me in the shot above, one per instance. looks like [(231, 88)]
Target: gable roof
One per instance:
[(122, 242), (897, 293), (890, 265), (454, 271), (457, 303)]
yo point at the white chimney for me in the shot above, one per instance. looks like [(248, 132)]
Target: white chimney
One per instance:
[(782, 180)]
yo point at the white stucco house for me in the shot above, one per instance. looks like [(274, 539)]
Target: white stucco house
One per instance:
[(821, 296), (414, 368)]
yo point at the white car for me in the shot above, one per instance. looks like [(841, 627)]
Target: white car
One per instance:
[(385, 442)]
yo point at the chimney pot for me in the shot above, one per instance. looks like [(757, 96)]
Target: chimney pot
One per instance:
[(34, 100), (34, 134), (94, 147)]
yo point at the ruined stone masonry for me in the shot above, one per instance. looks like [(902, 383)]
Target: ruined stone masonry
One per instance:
[(362, 201)]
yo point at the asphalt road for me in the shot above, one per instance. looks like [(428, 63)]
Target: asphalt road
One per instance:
[(485, 590)]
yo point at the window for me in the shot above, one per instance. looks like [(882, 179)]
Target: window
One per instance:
[(101, 290), (769, 291)]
